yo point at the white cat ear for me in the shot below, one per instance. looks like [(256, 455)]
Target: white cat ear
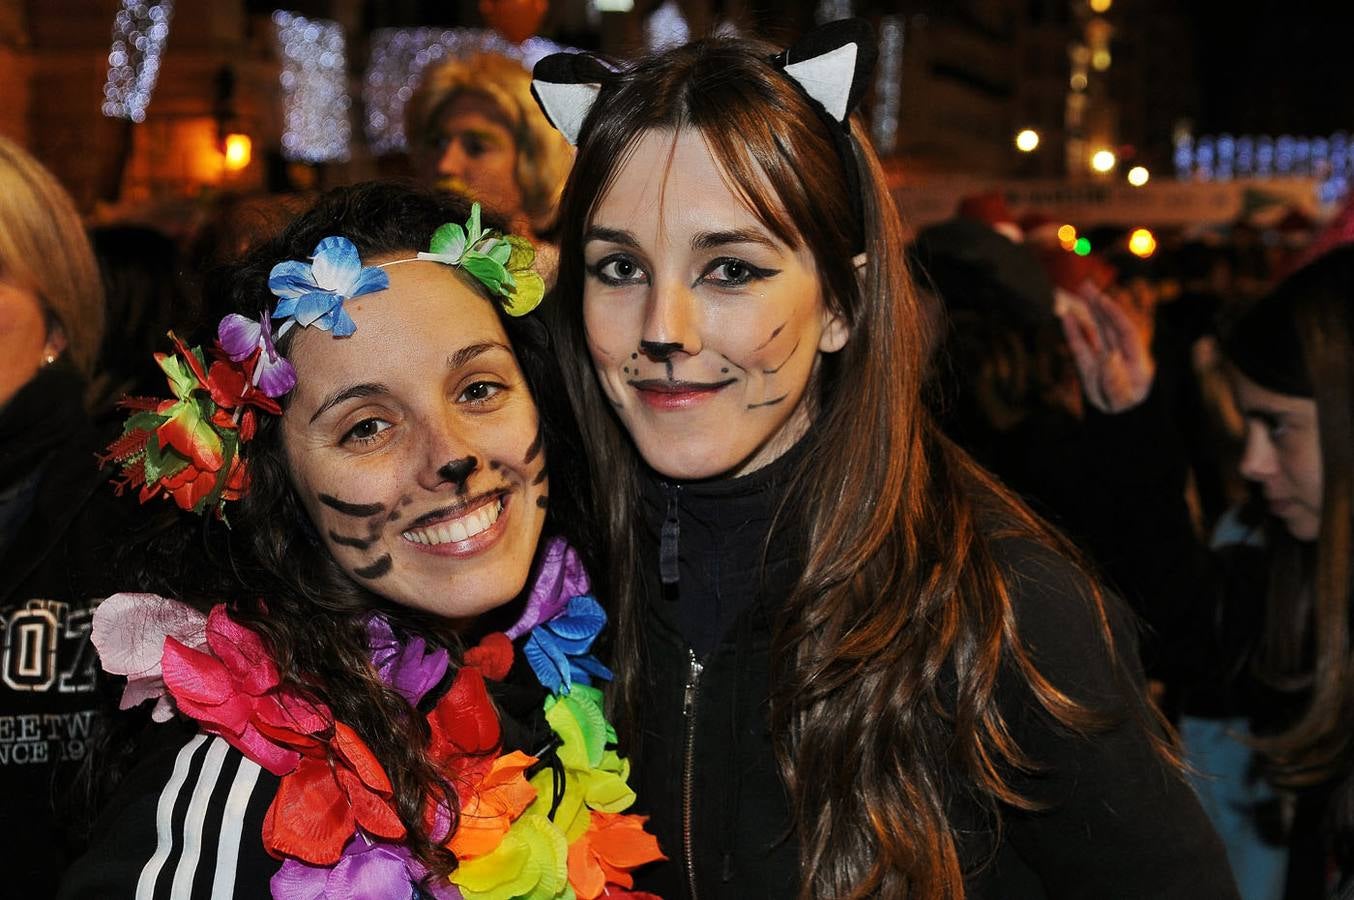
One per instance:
[(833, 64), (566, 86)]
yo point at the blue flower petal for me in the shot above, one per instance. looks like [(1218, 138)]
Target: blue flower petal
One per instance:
[(343, 323), (289, 279), (313, 306), (285, 308), (583, 619), (336, 265), (370, 279), (546, 666), (571, 646), (588, 665)]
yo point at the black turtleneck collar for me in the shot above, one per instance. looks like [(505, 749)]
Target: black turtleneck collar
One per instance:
[(709, 551)]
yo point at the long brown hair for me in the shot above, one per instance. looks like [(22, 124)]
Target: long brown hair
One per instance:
[(1299, 340), (902, 584)]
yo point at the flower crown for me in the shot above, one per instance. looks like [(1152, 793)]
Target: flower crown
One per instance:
[(188, 447)]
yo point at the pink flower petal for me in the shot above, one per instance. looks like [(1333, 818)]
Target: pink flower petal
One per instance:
[(242, 652), (275, 758), (129, 631)]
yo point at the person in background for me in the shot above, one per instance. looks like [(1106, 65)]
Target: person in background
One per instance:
[(146, 296), (1292, 361), (474, 129), (57, 522), (859, 666)]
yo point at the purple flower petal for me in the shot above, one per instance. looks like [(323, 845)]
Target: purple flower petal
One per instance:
[(298, 881), (378, 872), (238, 336), (275, 378), (336, 265), (290, 278), (559, 579), (408, 668)]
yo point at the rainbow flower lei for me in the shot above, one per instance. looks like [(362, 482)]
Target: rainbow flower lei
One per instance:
[(523, 831)]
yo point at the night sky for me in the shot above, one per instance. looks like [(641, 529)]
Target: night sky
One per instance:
[(1274, 66)]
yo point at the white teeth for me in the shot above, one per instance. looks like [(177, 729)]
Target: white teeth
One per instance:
[(456, 530)]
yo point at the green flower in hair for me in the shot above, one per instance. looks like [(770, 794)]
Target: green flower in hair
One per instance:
[(503, 264)]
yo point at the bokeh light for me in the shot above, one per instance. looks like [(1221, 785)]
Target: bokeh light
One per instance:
[(1027, 140), (1103, 160), (1142, 243)]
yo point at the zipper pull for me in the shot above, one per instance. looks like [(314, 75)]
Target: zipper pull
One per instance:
[(693, 677)]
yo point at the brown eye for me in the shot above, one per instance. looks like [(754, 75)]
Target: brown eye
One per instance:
[(366, 431), (481, 392)]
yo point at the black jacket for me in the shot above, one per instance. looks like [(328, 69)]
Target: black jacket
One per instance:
[(55, 556), (1119, 821)]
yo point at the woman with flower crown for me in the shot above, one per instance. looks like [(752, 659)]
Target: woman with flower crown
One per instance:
[(852, 663), (381, 684)]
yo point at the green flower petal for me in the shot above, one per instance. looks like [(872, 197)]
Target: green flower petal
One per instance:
[(486, 271), (527, 295), (448, 243)]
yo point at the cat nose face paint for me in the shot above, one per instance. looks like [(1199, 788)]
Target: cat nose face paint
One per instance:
[(415, 447), (705, 329)]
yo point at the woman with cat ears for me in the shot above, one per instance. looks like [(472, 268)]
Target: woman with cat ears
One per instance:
[(852, 664), (381, 682)]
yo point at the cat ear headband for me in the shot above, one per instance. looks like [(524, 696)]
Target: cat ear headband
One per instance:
[(188, 448), (830, 65)]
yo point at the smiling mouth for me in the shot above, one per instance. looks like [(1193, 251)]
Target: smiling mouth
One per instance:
[(664, 394), (458, 523)]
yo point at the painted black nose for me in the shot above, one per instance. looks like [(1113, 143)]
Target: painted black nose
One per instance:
[(658, 352), (458, 470)]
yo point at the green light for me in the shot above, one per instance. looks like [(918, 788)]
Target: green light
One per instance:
[(1082, 247)]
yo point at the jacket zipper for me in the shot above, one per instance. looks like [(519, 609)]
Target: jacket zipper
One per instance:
[(693, 677)]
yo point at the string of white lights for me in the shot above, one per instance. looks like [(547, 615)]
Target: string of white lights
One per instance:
[(315, 101), (140, 29), (398, 58), (888, 85)]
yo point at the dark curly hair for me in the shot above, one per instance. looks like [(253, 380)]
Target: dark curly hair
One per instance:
[(270, 565)]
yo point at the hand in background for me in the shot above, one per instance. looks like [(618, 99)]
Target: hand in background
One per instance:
[(1111, 347)]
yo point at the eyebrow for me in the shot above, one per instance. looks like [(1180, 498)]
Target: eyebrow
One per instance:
[(471, 351), (611, 235), (708, 240), (374, 388), (367, 389), (704, 240)]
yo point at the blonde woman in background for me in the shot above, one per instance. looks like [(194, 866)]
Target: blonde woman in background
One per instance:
[(474, 129), (56, 518)]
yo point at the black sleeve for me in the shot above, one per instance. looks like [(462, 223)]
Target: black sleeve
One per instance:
[(1117, 820), (186, 822)]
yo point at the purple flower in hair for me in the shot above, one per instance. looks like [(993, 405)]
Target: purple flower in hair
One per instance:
[(407, 666), (241, 337), (313, 293)]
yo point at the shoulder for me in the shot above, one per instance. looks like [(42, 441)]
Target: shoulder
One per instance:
[(1080, 636), (186, 821)]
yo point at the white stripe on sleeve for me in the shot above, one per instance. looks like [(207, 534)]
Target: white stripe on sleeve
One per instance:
[(232, 823), (196, 818), (164, 811)]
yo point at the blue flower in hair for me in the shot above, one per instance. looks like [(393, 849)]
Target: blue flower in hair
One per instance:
[(313, 293)]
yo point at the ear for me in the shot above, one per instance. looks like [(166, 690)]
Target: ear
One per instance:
[(835, 331), (833, 64), (56, 340), (565, 86)]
